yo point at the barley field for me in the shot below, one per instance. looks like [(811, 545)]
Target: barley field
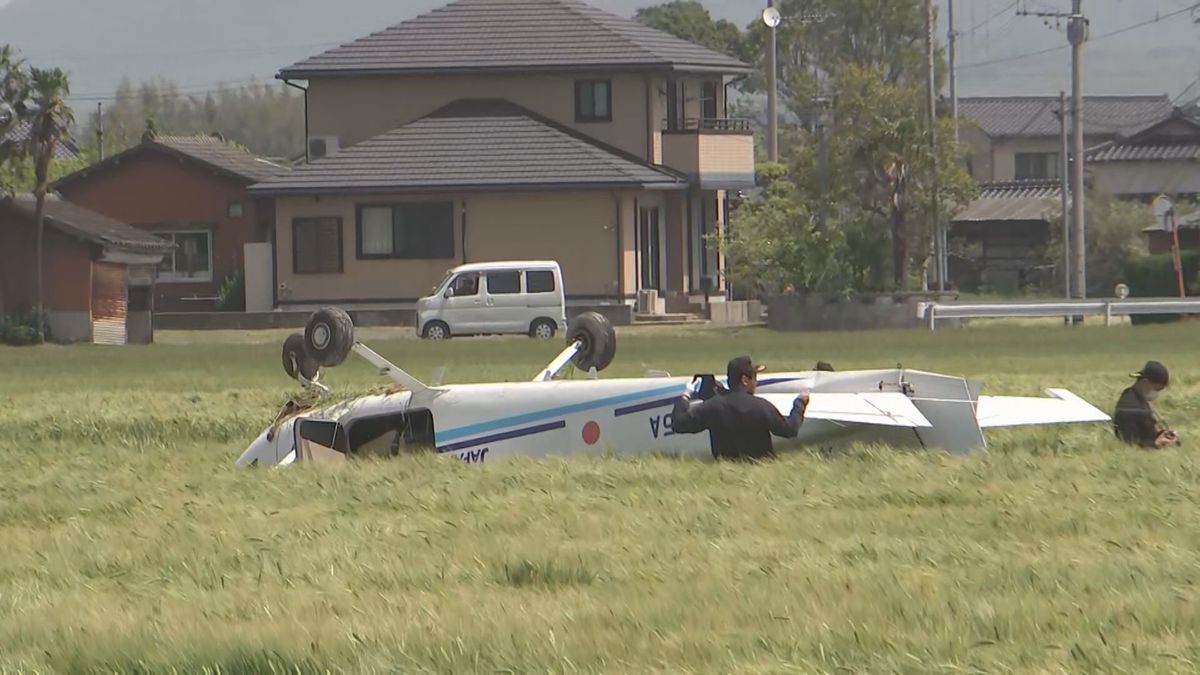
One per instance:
[(128, 544)]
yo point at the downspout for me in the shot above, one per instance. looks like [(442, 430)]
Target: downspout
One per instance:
[(463, 215), (305, 90), (729, 84), (620, 257)]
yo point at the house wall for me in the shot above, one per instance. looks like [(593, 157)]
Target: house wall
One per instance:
[(578, 229), (355, 109), (999, 161), (67, 274), (981, 152), (155, 191), (1134, 179)]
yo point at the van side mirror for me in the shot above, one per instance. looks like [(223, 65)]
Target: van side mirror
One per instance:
[(450, 292)]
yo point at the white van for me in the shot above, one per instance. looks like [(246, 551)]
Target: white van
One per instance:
[(521, 297)]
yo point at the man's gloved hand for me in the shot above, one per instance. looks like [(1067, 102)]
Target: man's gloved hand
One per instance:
[(692, 388)]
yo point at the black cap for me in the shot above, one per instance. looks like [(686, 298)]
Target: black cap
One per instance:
[(1154, 372), (739, 367), (824, 366)]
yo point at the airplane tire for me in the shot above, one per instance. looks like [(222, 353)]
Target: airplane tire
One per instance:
[(294, 353), (598, 338), (329, 336)]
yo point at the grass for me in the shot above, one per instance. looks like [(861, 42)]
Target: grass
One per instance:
[(130, 545)]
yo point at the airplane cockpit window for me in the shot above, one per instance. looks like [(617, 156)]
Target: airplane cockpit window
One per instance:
[(390, 435), (466, 284)]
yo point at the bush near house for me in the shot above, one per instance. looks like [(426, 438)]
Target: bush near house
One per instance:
[(1153, 276), (24, 328), (231, 296)]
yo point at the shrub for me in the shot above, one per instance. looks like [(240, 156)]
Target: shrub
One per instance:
[(231, 296), (24, 328), (1153, 276)]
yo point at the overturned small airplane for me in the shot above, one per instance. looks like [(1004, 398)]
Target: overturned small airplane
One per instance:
[(551, 415)]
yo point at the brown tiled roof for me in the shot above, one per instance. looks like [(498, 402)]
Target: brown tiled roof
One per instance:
[(1033, 116), (63, 150), (474, 145), (1118, 152), (210, 151), (514, 35), (1018, 200), (222, 155), (77, 221)]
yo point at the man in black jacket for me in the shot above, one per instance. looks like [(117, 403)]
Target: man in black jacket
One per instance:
[(739, 424), (1134, 421)]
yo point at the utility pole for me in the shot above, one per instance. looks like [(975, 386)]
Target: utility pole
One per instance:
[(951, 42), (931, 92), (772, 21), (100, 129), (1064, 172), (1077, 34)]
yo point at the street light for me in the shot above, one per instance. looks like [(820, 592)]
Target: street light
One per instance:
[(772, 18)]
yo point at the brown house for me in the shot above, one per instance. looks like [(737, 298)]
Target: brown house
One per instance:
[(477, 132), (998, 242), (98, 273), (190, 191)]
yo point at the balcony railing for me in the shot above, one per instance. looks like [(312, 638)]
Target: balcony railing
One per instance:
[(718, 124)]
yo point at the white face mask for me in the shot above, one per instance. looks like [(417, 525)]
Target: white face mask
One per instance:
[(1153, 394)]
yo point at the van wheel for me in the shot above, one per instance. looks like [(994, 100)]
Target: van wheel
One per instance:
[(542, 329), (329, 336), (296, 360), (436, 330), (599, 341)]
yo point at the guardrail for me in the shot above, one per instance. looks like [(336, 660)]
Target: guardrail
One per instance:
[(1108, 308)]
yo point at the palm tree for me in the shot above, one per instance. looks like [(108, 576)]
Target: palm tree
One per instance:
[(14, 92), (51, 119)]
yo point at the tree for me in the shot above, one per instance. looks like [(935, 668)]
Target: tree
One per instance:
[(51, 119), (14, 92), (689, 20)]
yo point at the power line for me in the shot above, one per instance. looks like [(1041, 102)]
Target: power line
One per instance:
[(991, 18), (1051, 50), (179, 91)]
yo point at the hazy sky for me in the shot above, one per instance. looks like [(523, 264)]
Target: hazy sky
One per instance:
[(199, 44)]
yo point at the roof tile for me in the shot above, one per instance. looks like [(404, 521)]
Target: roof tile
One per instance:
[(1033, 116), (89, 225), (527, 35), (472, 145)]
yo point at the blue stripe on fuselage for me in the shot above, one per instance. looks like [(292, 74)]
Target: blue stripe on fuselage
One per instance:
[(444, 437), (505, 436)]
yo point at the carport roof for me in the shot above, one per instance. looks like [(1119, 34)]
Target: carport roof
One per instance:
[(480, 145), (79, 222)]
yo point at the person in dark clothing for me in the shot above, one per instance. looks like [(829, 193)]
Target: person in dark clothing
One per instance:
[(1134, 421), (739, 425)]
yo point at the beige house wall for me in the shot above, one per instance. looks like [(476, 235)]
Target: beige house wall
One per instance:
[(1146, 178), (1004, 155), (355, 109), (578, 229), (725, 154)]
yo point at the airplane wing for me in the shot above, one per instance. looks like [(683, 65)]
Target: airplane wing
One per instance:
[(1011, 411), (891, 409)]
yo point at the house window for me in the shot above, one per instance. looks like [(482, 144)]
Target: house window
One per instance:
[(234, 210), (1036, 166), (412, 230), (539, 282), (191, 260), (593, 101), (317, 245), (708, 101), (503, 283)]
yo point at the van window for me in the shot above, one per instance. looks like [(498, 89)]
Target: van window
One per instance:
[(541, 281), (503, 283), (466, 284)]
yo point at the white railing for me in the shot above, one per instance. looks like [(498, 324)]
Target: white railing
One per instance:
[(1108, 308)]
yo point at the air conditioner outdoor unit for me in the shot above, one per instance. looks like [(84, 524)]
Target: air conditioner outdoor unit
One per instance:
[(322, 146), (647, 301)]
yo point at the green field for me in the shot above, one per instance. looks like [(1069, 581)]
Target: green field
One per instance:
[(130, 544)]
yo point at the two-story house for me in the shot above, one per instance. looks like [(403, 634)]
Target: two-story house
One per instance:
[(500, 129), (1018, 138)]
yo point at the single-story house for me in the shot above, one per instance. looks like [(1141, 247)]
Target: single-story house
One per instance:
[(190, 190), (98, 273), (474, 181), (998, 242)]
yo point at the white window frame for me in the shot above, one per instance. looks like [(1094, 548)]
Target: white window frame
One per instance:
[(171, 277)]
